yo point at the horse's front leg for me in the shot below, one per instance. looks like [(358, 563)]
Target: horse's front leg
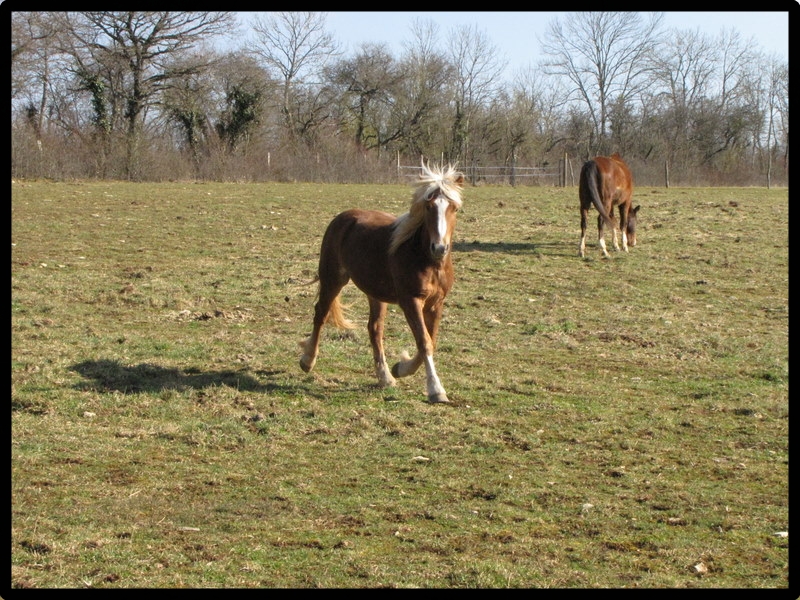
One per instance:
[(424, 327), (377, 314), (623, 225)]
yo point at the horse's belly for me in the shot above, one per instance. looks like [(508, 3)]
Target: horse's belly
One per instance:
[(381, 288)]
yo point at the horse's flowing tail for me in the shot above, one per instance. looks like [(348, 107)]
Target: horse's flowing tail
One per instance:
[(310, 345), (589, 177), (336, 316)]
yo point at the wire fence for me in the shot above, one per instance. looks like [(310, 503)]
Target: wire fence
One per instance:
[(510, 175)]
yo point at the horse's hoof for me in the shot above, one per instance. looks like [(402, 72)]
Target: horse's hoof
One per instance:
[(438, 399), (306, 366), (396, 370)]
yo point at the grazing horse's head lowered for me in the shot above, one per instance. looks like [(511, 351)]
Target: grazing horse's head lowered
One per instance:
[(403, 260)]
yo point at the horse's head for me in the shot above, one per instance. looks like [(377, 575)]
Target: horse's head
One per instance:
[(439, 192), (630, 229), (440, 221), (435, 203)]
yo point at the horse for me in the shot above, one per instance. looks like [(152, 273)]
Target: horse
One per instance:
[(403, 260), (606, 182)]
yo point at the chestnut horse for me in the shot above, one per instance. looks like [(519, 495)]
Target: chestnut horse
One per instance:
[(401, 260), (606, 182)]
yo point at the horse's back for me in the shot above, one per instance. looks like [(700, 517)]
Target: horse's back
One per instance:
[(356, 244), (615, 174), (621, 172), (356, 227)]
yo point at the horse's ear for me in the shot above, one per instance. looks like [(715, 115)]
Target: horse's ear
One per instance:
[(636, 210), (458, 178)]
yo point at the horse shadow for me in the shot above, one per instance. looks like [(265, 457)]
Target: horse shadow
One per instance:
[(112, 376), (549, 248), (107, 376)]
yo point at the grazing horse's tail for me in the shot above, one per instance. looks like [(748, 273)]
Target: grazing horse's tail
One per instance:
[(588, 185)]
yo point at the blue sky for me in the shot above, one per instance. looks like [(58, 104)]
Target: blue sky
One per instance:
[(516, 34)]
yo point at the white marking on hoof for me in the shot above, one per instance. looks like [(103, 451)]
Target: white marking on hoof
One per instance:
[(403, 368), (385, 378), (306, 362), (438, 399)]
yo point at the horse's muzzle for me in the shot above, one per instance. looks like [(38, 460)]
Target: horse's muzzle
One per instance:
[(439, 251)]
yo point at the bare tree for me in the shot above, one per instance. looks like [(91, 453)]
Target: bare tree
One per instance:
[(367, 83), (532, 116), (777, 97), (294, 45), (780, 104), (478, 67), (604, 56), (684, 69), (423, 92), (766, 90), (734, 54), (34, 58), (135, 55), (223, 103), (730, 114)]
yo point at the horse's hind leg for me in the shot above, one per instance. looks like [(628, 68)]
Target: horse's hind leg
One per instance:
[(310, 345), (328, 293), (601, 238), (584, 217), (377, 314)]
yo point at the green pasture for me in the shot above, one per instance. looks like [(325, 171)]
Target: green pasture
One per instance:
[(614, 423)]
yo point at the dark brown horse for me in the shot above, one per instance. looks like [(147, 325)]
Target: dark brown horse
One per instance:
[(606, 182), (399, 260)]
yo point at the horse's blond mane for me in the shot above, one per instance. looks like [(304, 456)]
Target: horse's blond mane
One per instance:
[(446, 179)]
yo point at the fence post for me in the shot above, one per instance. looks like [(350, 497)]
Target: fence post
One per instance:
[(513, 177), (571, 172), (566, 166)]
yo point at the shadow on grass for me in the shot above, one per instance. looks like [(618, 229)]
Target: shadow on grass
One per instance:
[(549, 248), (113, 376)]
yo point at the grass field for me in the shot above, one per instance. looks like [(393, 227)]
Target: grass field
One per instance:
[(615, 422)]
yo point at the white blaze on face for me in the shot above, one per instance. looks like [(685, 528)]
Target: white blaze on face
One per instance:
[(441, 223)]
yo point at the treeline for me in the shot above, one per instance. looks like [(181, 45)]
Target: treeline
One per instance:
[(271, 96)]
